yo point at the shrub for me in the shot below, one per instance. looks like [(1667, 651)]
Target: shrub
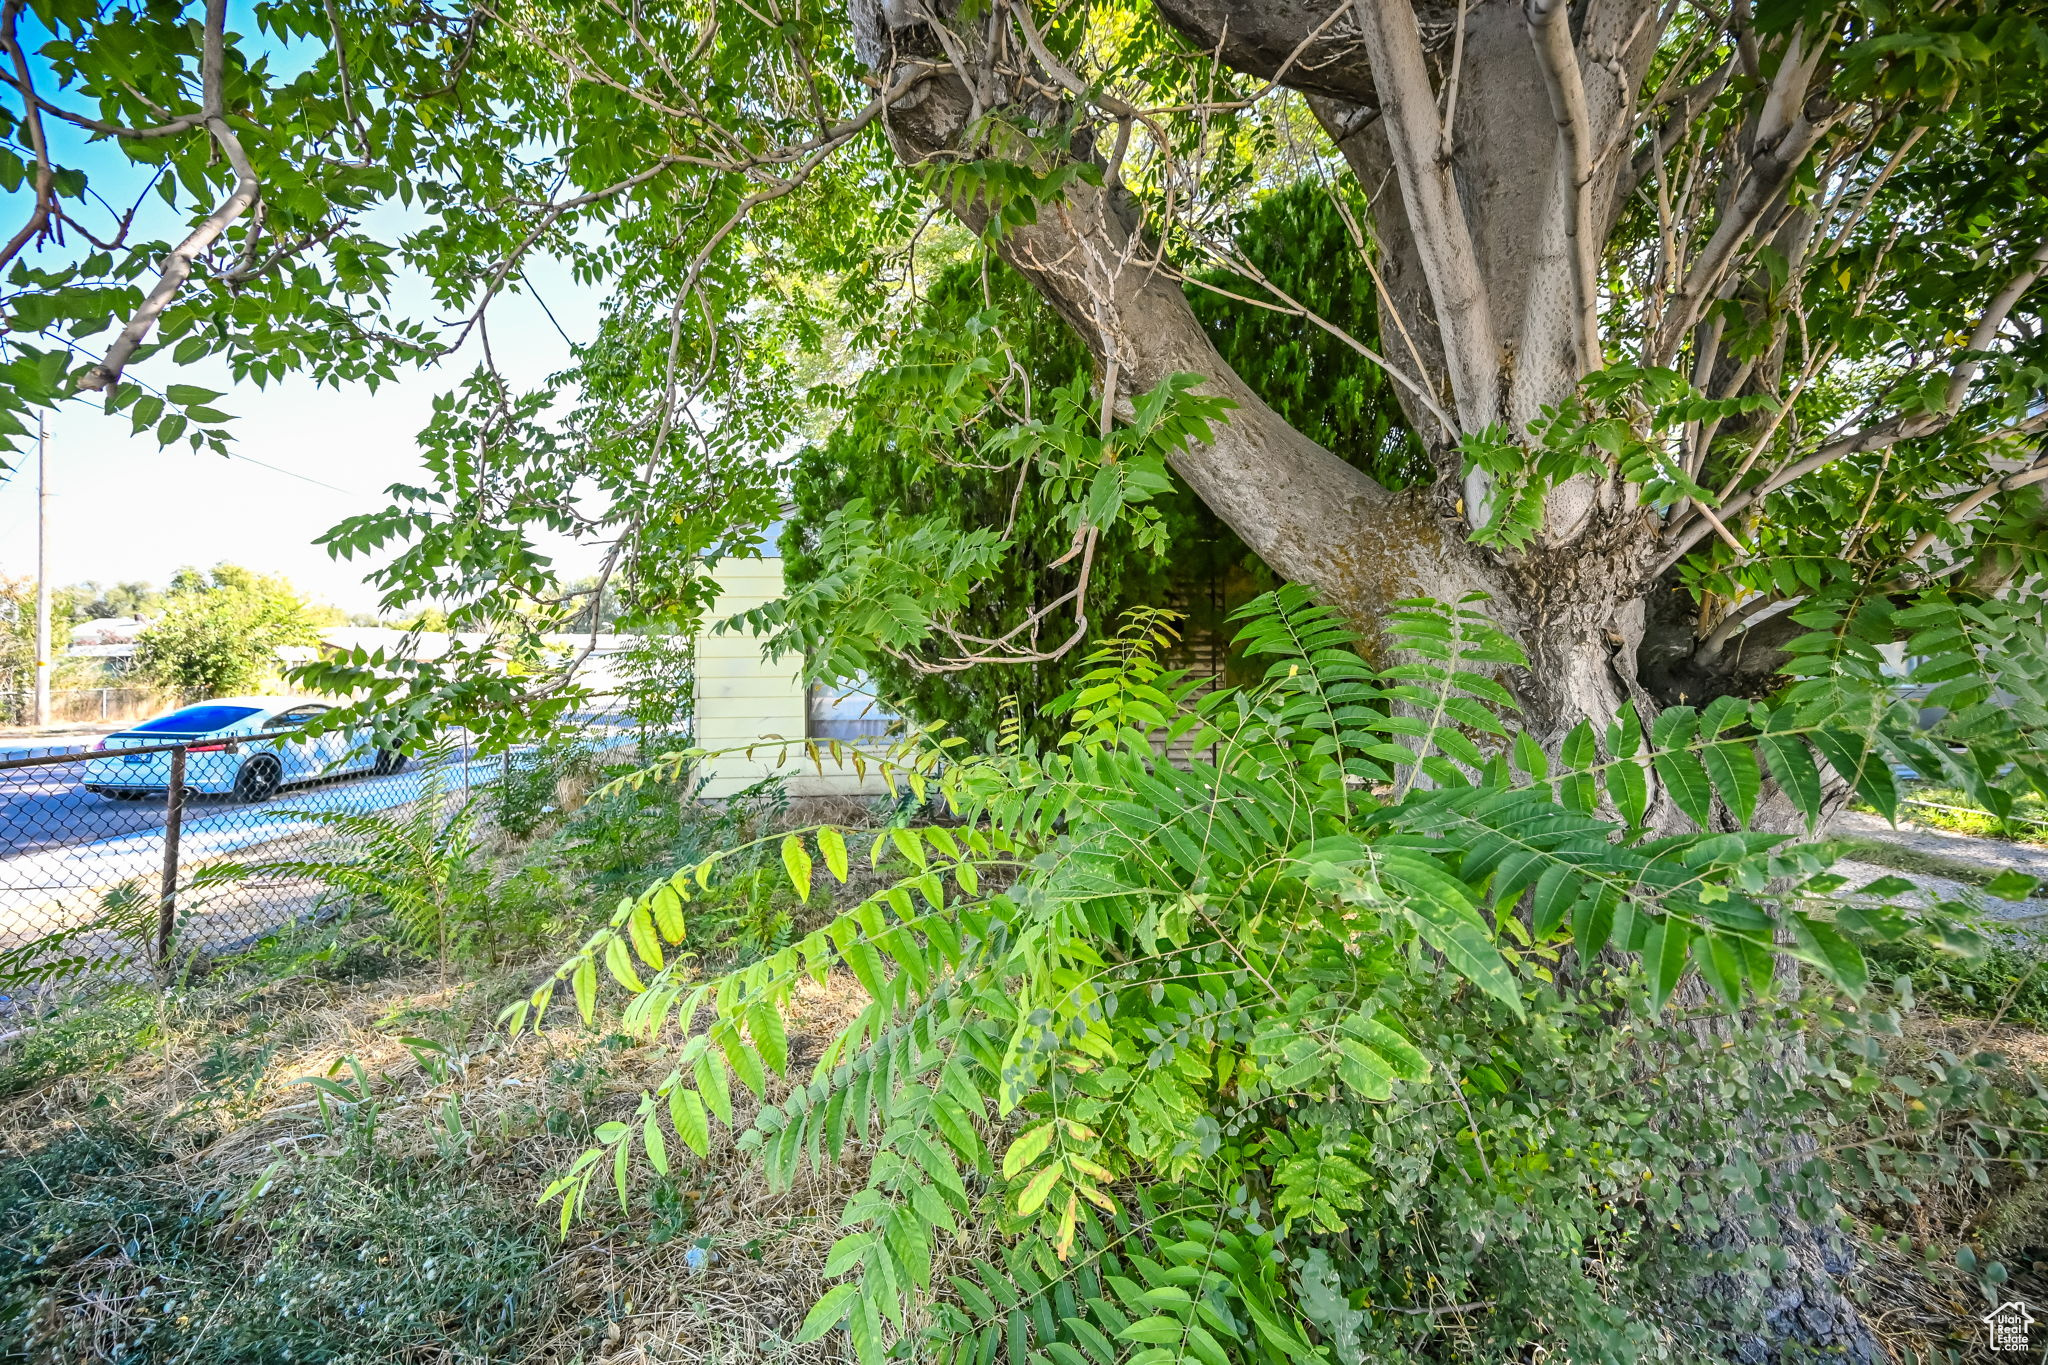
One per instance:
[(2007, 981), (1179, 1027), (528, 795)]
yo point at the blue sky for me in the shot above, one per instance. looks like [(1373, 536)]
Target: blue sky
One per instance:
[(305, 457)]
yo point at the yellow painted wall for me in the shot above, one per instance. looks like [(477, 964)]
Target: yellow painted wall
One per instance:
[(742, 698)]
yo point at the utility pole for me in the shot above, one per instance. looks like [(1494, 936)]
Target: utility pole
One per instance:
[(42, 573)]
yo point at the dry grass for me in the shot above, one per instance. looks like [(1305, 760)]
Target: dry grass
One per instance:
[(623, 1287)]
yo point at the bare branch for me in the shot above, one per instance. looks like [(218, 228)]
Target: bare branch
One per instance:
[(1780, 137), (1550, 28), (45, 179), (809, 153), (1443, 237), (1688, 106), (2001, 305), (1290, 305), (1889, 433)]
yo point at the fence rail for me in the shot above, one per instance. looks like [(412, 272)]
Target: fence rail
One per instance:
[(105, 855)]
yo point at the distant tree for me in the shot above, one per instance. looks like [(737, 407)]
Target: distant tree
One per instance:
[(587, 605), (17, 635), (18, 645), (93, 601), (221, 629)]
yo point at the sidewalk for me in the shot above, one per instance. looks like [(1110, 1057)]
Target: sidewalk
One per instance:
[(1991, 855)]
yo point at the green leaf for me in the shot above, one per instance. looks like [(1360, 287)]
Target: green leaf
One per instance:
[(796, 860), (584, 982), (1556, 889), (1720, 964), (1664, 951), (1793, 769), (1158, 1330), (1686, 782), (1041, 1185), (765, 1026), (686, 1115), (2012, 885), (668, 912), (655, 1144), (833, 845), (1859, 763), (714, 1085), (620, 964), (827, 1313), (1027, 1148), (1628, 786), (1364, 1070), (1447, 920), (1822, 945), (1733, 769)]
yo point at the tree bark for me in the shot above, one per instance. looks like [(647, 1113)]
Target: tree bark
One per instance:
[(1480, 231)]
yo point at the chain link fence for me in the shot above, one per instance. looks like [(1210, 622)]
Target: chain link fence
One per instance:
[(122, 861)]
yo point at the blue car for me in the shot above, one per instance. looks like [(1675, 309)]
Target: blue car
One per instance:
[(244, 764)]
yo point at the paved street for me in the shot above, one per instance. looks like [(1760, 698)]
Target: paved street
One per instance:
[(61, 847), (44, 807)]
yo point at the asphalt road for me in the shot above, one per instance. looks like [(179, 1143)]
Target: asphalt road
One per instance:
[(44, 807)]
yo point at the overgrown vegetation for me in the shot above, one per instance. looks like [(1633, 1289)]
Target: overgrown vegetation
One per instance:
[(903, 449), (1446, 1138), (1950, 808), (220, 631), (323, 1149), (1308, 1045)]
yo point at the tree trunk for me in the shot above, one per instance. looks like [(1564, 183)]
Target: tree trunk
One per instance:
[(1486, 236)]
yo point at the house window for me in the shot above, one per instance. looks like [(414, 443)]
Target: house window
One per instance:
[(846, 711)]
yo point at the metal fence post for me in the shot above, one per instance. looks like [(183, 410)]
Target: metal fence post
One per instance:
[(167, 899)]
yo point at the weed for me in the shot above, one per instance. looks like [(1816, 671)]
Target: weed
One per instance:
[(2008, 982), (105, 1256), (1947, 808), (422, 864), (543, 784), (80, 1034)]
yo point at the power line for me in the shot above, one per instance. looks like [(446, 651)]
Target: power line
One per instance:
[(291, 473)]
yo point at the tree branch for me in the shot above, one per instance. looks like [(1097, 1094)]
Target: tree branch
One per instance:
[(1693, 101), (1902, 428), (2036, 472), (1986, 332), (177, 266), (1550, 28), (1443, 238), (45, 179), (1780, 137)]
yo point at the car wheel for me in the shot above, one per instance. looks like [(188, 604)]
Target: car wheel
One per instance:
[(259, 779)]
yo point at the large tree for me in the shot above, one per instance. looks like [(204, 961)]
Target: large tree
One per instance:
[(1718, 324), (1698, 312)]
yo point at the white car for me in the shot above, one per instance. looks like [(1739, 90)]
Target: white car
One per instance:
[(243, 764)]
